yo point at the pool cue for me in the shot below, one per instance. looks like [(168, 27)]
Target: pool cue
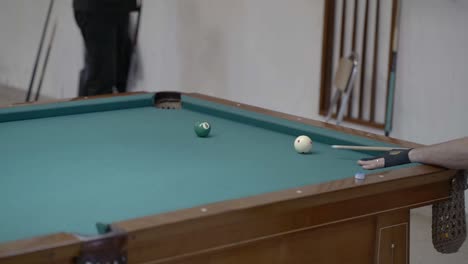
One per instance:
[(392, 70), (46, 60), (137, 27), (366, 148), (39, 51), (132, 66)]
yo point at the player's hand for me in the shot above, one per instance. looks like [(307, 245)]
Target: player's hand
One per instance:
[(373, 164), (389, 159)]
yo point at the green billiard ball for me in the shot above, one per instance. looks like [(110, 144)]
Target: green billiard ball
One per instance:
[(202, 129)]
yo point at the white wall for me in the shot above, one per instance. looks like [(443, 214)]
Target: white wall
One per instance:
[(19, 32), (263, 52), (21, 23), (432, 75)]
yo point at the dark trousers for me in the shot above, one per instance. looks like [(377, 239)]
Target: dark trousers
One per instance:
[(108, 52)]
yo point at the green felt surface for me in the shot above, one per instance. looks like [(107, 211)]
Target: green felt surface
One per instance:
[(68, 171)]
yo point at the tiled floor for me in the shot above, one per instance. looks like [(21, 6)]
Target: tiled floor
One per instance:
[(10, 95), (422, 251)]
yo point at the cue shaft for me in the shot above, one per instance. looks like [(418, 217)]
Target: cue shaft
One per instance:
[(46, 61), (39, 51), (365, 148)]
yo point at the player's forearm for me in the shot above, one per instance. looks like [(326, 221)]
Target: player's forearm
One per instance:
[(452, 154)]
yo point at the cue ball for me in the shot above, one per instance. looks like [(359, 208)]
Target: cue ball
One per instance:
[(303, 144), (202, 129)]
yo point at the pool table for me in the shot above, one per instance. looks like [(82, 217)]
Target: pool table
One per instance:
[(124, 178)]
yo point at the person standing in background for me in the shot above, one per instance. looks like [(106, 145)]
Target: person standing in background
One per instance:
[(104, 25)]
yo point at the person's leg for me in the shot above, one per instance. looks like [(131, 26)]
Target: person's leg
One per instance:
[(81, 20), (81, 87), (99, 34), (124, 52)]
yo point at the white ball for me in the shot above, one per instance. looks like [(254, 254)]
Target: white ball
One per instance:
[(303, 144)]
